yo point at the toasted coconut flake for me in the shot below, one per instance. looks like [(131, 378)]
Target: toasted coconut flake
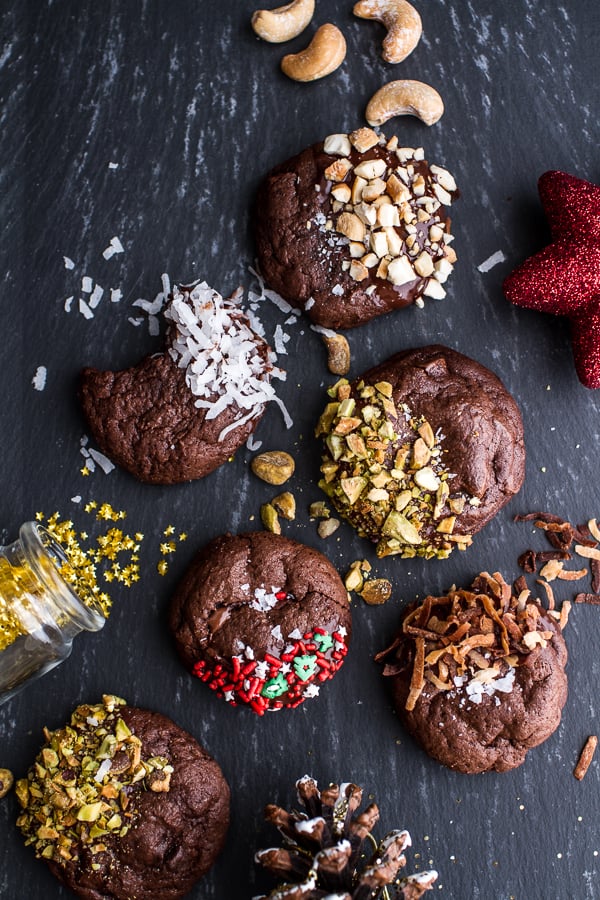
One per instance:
[(549, 593), (585, 757), (593, 599), (594, 530), (587, 552), (595, 567), (551, 570), (417, 680), (564, 614), (572, 574)]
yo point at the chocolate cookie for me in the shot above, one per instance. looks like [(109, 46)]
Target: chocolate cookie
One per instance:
[(421, 451), (262, 619), (130, 805), (478, 677), (354, 227), (180, 414)]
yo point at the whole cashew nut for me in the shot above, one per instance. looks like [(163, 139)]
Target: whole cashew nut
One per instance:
[(283, 23), (402, 21), (323, 55), (405, 98)]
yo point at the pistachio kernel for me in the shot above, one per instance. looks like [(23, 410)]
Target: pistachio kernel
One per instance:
[(285, 505), (6, 782), (274, 466)]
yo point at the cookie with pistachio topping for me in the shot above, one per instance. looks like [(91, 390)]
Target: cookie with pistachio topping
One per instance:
[(421, 451), (123, 803), (263, 620), (355, 226), (478, 676)]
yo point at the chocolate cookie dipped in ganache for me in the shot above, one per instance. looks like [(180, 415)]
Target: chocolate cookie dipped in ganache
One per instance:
[(262, 619), (355, 226)]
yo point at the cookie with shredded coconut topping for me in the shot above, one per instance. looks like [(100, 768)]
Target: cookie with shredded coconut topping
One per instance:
[(264, 621), (123, 803), (180, 414), (356, 226), (478, 676)]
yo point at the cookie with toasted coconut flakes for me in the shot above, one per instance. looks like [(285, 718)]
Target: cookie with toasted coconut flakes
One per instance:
[(478, 676), (180, 414)]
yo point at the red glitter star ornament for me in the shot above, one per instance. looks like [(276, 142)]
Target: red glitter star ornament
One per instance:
[(564, 278)]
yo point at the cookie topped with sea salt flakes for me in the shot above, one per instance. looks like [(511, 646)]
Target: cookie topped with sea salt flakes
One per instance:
[(478, 676), (263, 620), (355, 226), (180, 414)]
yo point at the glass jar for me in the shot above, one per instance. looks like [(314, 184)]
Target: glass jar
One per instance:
[(40, 613)]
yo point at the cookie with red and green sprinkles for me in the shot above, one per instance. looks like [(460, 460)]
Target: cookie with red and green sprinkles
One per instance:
[(263, 620)]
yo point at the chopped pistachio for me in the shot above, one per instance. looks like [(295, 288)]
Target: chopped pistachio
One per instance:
[(269, 518), (377, 591), (327, 527), (285, 505)]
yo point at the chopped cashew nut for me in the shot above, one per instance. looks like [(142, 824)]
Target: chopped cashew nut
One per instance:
[(324, 54), (405, 98), (285, 22), (402, 21)]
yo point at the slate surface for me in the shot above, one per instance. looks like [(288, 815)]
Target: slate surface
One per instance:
[(192, 110)]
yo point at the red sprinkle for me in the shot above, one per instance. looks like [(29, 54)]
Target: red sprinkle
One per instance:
[(272, 660)]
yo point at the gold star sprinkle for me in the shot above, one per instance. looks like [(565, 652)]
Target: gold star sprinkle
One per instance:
[(162, 567), (169, 530)]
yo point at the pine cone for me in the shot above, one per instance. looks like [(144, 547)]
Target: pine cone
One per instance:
[(323, 855)]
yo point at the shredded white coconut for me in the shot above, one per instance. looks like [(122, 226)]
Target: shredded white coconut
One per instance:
[(96, 296), (68, 303), (211, 340), (69, 264), (491, 261), (39, 379), (84, 309), (327, 332), (86, 284), (116, 294), (103, 461), (252, 444)]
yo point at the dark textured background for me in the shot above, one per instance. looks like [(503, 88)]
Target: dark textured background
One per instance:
[(192, 108)]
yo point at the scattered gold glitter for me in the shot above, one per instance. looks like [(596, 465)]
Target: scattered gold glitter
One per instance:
[(112, 556)]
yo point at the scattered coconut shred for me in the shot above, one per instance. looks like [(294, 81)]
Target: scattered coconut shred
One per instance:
[(212, 341)]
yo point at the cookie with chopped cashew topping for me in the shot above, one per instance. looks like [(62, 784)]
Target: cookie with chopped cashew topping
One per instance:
[(123, 803), (421, 451), (354, 227), (180, 414), (478, 676)]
